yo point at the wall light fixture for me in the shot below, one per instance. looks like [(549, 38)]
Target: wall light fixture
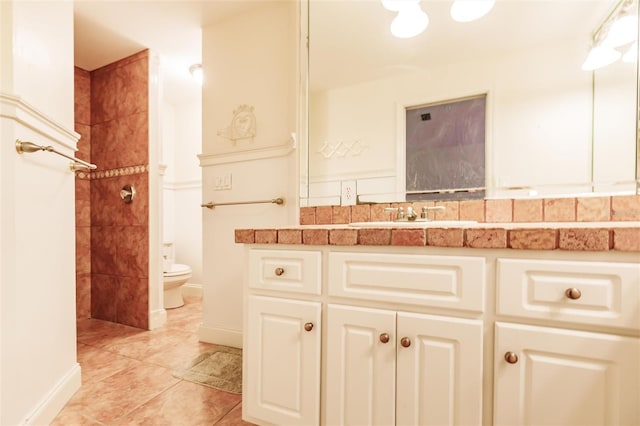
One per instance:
[(632, 54), (470, 10), (196, 72), (619, 28), (410, 22)]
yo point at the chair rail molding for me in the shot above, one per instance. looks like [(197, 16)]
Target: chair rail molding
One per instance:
[(248, 155), (17, 109)]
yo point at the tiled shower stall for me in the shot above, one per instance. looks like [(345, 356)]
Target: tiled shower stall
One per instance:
[(112, 238)]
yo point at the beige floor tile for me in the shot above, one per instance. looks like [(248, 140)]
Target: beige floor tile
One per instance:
[(98, 364), (234, 418), (180, 355), (73, 416), (101, 333), (185, 404), (143, 346), (118, 395), (127, 380)]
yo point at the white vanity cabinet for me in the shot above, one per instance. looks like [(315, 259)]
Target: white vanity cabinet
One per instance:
[(549, 375), (393, 366), (282, 335), (283, 364), (390, 367), (428, 336), (554, 376)]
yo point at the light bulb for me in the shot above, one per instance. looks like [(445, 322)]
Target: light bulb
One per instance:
[(600, 56), (397, 5), (470, 10), (623, 30), (632, 54), (410, 22)]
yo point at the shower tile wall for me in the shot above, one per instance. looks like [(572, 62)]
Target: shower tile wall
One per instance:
[(119, 231), (82, 83)]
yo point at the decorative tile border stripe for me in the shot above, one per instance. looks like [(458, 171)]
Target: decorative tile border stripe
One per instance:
[(103, 174)]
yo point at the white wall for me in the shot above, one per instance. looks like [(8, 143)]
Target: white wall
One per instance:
[(539, 115), (182, 222), (615, 103), (248, 60), (38, 367), (40, 59)]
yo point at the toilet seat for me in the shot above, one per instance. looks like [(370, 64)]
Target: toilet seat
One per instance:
[(177, 269)]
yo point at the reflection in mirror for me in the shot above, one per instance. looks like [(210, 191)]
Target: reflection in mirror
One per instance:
[(445, 148), (551, 128)]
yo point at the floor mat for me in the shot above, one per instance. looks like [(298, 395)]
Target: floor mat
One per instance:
[(220, 368)]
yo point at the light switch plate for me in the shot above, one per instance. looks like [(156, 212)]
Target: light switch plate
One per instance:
[(222, 182)]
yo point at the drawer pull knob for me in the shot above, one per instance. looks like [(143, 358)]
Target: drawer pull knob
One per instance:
[(405, 342), (573, 293), (511, 357), (384, 338), (279, 271), (308, 326)]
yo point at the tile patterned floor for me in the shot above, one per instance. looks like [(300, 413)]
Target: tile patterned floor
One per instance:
[(127, 380)]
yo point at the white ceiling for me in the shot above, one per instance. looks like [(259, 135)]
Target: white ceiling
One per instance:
[(354, 34), (106, 31), (351, 39)]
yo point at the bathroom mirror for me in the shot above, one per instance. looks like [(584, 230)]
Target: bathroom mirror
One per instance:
[(552, 129)]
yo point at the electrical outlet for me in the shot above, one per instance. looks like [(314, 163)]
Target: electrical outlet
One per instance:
[(348, 193)]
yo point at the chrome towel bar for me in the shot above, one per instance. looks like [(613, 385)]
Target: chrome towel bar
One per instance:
[(24, 146), (279, 201)]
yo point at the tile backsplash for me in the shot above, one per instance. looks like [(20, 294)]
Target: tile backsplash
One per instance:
[(581, 209)]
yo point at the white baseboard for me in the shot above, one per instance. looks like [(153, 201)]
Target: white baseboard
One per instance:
[(54, 402), (190, 289), (157, 319), (220, 336)]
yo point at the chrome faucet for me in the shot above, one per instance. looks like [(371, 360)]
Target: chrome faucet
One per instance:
[(398, 210), (426, 209), (411, 214)]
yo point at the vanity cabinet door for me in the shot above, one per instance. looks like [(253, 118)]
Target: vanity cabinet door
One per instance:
[(386, 368), (282, 365), (553, 376), (439, 367), (360, 369)]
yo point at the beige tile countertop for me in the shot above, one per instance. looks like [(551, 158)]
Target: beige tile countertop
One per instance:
[(578, 236)]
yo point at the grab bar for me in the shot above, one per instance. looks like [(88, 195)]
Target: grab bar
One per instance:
[(24, 146), (279, 201)]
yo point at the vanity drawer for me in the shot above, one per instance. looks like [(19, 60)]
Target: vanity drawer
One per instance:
[(285, 270), (438, 281), (598, 293)]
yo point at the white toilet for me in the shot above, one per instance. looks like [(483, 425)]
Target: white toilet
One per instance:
[(175, 275)]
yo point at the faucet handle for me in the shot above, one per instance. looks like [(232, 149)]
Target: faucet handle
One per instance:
[(425, 209), (398, 210)]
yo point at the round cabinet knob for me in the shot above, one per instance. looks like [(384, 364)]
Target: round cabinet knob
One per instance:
[(308, 326), (384, 338), (511, 357), (405, 342), (279, 271), (573, 293)]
